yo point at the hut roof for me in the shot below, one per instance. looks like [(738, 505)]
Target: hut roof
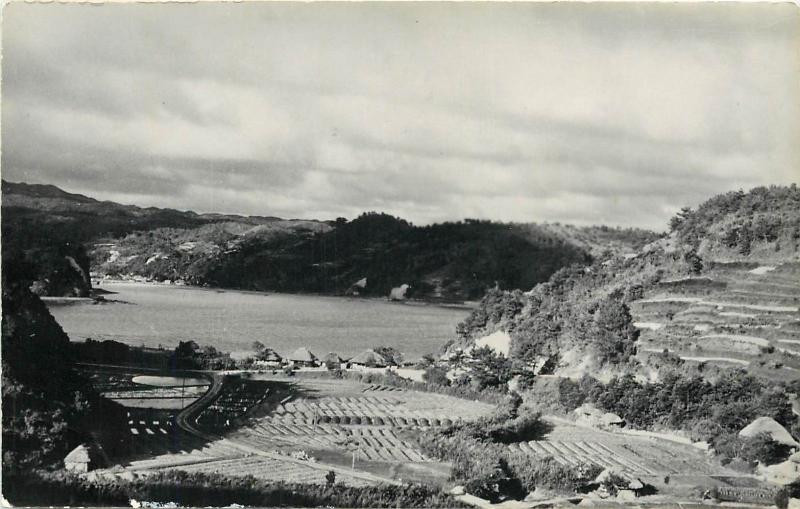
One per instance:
[(636, 484), (369, 357), (603, 476), (302, 354), (79, 454), (609, 418), (772, 428)]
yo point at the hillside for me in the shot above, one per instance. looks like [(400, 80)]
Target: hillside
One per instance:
[(48, 408), (369, 255), (56, 230), (721, 290)]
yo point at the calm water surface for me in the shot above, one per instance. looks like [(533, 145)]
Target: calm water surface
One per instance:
[(231, 321)]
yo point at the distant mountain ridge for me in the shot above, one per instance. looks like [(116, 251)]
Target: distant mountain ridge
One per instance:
[(448, 261)]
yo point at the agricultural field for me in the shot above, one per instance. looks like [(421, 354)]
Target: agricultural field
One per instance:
[(238, 398), (150, 432), (736, 315), (629, 455), (342, 422), (222, 458), (134, 390), (298, 429)]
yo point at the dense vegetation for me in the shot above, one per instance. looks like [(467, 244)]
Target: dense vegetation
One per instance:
[(578, 319), (212, 490), (489, 469), (456, 260), (769, 216), (47, 407), (693, 404)]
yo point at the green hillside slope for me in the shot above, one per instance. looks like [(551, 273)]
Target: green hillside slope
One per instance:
[(721, 290)]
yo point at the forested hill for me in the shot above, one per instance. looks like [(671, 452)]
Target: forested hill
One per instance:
[(56, 231), (68, 235), (721, 290)]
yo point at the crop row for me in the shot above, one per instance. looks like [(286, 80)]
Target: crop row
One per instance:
[(575, 453), (233, 402), (378, 444), (364, 412), (646, 459), (382, 388)]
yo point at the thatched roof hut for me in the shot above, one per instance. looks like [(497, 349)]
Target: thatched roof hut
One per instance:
[(370, 358), (303, 356), (770, 427), (80, 459)]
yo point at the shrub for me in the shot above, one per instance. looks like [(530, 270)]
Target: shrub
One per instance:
[(500, 485), (547, 473)]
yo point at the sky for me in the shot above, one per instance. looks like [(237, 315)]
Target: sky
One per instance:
[(615, 114)]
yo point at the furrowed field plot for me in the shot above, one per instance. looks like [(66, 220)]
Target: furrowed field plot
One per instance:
[(629, 455), (223, 457), (341, 421), (218, 458), (237, 399)]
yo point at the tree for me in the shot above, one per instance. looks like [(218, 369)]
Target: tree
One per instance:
[(436, 375), (678, 220), (258, 347), (391, 354), (614, 335), (427, 361), (489, 369)]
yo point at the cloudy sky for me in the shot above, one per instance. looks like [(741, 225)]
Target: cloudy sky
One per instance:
[(616, 114)]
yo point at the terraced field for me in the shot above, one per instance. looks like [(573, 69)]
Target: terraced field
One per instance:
[(221, 457), (735, 315), (364, 410)]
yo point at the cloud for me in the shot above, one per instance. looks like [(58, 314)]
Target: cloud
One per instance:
[(519, 112)]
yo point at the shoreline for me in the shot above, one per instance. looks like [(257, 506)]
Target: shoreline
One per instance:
[(462, 305)]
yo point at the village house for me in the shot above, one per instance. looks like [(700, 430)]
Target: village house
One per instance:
[(79, 460), (368, 359), (269, 359), (303, 358)]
